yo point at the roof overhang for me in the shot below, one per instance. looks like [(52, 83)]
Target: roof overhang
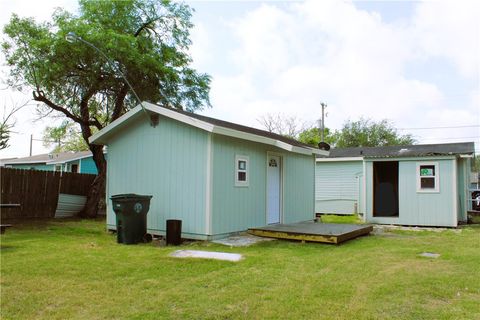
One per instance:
[(71, 159), (339, 159), (102, 137), (26, 162)]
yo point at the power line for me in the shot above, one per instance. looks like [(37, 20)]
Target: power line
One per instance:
[(449, 138), (452, 127)]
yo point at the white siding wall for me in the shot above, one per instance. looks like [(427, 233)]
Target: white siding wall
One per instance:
[(338, 186)]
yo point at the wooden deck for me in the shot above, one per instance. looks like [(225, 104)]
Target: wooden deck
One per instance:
[(313, 231)]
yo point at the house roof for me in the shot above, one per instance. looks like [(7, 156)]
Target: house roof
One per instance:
[(210, 125), (50, 158), (418, 150)]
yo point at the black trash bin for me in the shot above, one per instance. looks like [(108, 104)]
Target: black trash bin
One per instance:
[(174, 232), (131, 217)]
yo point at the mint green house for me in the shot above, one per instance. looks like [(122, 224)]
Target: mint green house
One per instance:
[(217, 177), (419, 185), (80, 162)]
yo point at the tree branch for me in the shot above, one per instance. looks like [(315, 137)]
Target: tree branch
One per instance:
[(39, 96), (144, 26), (117, 110)]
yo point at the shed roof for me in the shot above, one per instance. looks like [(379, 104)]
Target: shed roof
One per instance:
[(418, 150), (50, 158), (211, 125)]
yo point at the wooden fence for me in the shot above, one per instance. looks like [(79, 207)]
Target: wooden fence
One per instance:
[(37, 191)]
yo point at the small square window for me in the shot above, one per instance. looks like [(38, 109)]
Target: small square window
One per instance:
[(427, 183), (241, 171), (242, 176), (242, 165), (427, 177)]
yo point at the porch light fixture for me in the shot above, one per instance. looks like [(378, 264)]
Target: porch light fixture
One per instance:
[(72, 37)]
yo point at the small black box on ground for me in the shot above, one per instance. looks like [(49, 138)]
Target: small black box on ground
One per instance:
[(174, 232)]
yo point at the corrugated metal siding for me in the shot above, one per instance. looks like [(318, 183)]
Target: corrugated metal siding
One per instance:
[(69, 205), (337, 186), (423, 209), (168, 162), (239, 208)]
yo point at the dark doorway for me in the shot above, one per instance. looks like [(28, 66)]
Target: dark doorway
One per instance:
[(385, 189), (74, 167)]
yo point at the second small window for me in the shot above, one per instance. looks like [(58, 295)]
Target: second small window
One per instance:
[(241, 171)]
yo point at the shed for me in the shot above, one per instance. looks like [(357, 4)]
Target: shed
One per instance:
[(421, 185), (217, 177)]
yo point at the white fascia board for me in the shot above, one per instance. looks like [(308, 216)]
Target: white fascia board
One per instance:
[(339, 159), (256, 138), (466, 156), (179, 117), (96, 138), (70, 160), (25, 162), (153, 108), (201, 125)]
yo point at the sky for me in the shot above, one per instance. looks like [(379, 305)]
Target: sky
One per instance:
[(414, 63)]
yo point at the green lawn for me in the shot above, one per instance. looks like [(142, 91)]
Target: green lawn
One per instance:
[(75, 270)]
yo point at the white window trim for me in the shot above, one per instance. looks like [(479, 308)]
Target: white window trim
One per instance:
[(239, 183), (436, 177)]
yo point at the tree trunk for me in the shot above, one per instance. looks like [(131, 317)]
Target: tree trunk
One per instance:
[(97, 190)]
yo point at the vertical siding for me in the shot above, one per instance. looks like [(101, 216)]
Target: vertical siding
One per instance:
[(423, 209), (337, 186), (462, 185), (167, 162), (87, 165), (299, 187), (239, 208)]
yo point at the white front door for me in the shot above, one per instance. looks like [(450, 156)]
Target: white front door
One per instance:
[(273, 189)]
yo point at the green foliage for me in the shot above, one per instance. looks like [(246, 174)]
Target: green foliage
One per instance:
[(7, 123), (5, 129), (361, 133), (76, 270), (147, 40), (312, 137), (367, 133), (65, 137)]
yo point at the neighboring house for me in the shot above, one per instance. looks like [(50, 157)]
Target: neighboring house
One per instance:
[(81, 162), (217, 177), (424, 185)]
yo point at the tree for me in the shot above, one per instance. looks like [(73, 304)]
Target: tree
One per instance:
[(65, 137), (312, 137), (147, 40), (7, 123), (288, 126), (367, 133)]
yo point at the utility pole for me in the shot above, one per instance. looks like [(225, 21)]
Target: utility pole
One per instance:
[(322, 128)]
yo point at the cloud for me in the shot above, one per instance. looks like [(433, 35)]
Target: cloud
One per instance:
[(294, 56), (450, 30)]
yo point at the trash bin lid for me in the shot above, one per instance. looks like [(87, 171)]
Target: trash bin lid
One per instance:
[(130, 196)]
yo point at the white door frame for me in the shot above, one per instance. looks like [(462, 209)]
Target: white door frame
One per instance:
[(282, 174)]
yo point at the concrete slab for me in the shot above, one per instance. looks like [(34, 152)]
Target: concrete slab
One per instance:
[(234, 257), (430, 255), (242, 240)]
